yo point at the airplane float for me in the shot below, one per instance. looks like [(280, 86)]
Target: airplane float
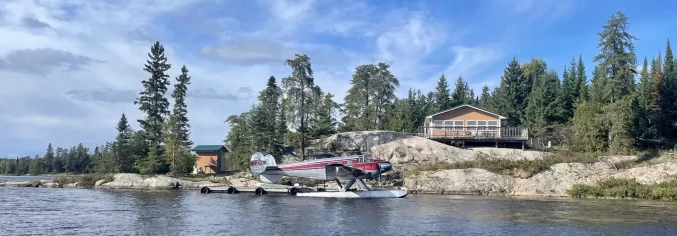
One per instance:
[(354, 168)]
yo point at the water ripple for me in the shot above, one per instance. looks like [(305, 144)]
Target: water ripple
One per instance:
[(46, 211)]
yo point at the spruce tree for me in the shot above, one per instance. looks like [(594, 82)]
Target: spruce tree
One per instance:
[(442, 94), (582, 79), (461, 94), (154, 104), (123, 148), (180, 109), (484, 98), (617, 57), (508, 100), (545, 106), (48, 159), (324, 123), (568, 90), (669, 104)]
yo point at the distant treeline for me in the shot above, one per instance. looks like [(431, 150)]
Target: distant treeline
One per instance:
[(161, 146), (622, 107)]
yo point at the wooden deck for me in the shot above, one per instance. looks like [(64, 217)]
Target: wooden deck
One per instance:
[(486, 134)]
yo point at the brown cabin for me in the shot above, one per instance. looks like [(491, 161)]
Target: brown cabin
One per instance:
[(467, 122), (211, 159)]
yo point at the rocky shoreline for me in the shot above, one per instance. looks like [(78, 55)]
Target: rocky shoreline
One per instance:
[(120, 181), (531, 178)]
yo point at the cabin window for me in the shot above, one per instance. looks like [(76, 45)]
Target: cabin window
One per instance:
[(484, 124), (438, 122), (458, 125), (448, 124)]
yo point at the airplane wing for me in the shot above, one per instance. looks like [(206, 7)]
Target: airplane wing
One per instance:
[(341, 171)]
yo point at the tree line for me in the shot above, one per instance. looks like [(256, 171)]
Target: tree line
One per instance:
[(162, 145), (619, 110)]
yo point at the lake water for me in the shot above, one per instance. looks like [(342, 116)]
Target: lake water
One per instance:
[(64, 211)]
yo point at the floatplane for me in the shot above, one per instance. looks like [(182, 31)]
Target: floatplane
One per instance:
[(354, 168)]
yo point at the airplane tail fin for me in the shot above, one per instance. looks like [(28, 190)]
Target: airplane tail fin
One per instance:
[(259, 162)]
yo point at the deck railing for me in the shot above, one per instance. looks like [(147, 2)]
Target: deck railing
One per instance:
[(451, 132)]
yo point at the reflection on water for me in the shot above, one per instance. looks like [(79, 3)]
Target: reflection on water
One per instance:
[(45, 211)]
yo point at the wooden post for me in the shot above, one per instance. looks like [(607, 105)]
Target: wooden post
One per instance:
[(522, 145)]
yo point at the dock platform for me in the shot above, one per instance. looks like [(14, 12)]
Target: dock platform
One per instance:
[(258, 189)]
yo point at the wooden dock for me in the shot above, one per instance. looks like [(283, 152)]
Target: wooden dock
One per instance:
[(258, 189)]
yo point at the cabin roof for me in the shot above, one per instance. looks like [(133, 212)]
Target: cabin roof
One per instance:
[(466, 105), (210, 148)]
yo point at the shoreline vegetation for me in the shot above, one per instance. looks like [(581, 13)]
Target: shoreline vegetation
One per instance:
[(625, 109)]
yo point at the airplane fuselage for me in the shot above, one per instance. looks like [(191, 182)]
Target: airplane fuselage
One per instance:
[(319, 168)]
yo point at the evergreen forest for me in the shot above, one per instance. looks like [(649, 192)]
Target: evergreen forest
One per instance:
[(623, 104)]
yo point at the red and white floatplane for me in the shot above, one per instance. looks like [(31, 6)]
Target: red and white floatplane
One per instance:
[(352, 168)]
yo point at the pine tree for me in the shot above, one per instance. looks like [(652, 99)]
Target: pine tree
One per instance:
[(272, 133), (507, 99), (154, 104), (123, 149), (239, 141), (385, 84), (483, 101), (570, 89), (461, 94), (669, 105), (544, 107), (442, 94), (324, 123), (617, 57), (588, 126), (645, 85), (181, 109), (177, 129), (299, 88), (582, 80), (646, 123), (49, 159), (617, 65), (359, 105), (532, 72)]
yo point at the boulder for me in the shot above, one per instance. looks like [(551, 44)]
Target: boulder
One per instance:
[(99, 183), (460, 181), (416, 150), (553, 182), (136, 181), (357, 140)]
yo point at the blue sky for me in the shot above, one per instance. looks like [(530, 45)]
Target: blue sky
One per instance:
[(69, 68)]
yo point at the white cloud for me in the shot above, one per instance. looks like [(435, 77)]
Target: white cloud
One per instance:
[(90, 58)]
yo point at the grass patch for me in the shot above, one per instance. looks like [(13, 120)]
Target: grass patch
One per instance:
[(86, 180), (625, 189), (518, 168), (649, 157)]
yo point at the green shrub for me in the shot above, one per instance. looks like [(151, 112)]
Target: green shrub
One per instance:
[(625, 189), (87, 180), (521, 168)]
